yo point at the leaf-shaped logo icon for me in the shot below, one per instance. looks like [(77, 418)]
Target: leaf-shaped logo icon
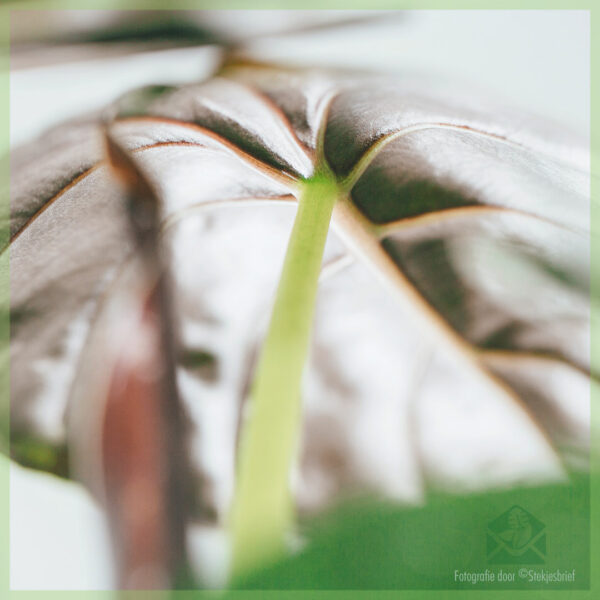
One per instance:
[(520, 529), (516, 537)]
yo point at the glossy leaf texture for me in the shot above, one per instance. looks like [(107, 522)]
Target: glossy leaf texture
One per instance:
[(451, 342)]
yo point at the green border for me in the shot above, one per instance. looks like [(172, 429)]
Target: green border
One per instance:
[(5, 8)]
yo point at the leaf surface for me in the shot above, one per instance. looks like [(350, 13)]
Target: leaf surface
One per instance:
[(450, 348)]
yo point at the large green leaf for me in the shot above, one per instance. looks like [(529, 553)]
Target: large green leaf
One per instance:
[(445, 544)]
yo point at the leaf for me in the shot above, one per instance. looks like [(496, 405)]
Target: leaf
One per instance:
[(57, 36), (450, 348), (370, 545)]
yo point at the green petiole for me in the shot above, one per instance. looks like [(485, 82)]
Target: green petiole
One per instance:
[(262, 511)]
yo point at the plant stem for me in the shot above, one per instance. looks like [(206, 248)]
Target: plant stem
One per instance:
[(262, 510)]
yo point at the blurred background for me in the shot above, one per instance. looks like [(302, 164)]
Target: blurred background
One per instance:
[(536, 60), (73, 62)]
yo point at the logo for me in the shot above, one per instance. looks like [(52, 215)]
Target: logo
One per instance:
[(516, 537)]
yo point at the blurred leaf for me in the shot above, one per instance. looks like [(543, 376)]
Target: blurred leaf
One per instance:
[(53, 36), (369, 545), (31, 451), (450, 349)]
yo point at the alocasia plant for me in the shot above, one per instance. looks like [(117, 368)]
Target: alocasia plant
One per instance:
[(449, 348)]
